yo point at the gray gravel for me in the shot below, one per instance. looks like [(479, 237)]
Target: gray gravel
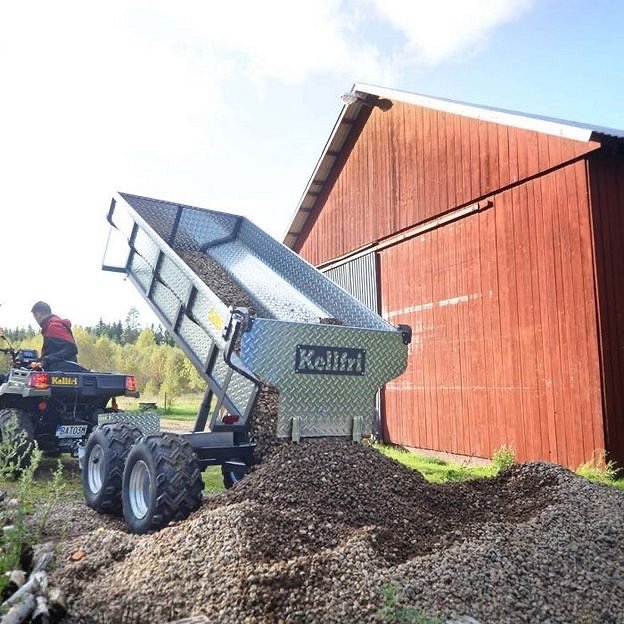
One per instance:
[(315, 532)]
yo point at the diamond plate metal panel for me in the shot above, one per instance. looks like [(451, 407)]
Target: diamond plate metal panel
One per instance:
[(141, 271), (146, 248), (196, 338), (166, 301), (327, 401), (239, 391), (195, 230), (147, 422), (266, 287), (308, 281)]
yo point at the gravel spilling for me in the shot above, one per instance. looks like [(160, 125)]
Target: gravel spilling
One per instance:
[(316, 531), (220, 282)]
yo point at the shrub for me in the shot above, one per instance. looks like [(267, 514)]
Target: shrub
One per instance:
[(503, 458), (598, 468), (392, 612)]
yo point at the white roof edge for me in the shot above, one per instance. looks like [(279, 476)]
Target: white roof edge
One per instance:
[(548, 125), (319, 162)]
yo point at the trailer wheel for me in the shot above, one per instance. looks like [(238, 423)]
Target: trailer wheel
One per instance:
[(17, 439), (233, 472), (103, 465), (161, 482)]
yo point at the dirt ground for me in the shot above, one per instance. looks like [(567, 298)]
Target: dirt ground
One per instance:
[(176, 426)]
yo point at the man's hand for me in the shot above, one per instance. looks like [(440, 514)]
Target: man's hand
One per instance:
[(36, 364)]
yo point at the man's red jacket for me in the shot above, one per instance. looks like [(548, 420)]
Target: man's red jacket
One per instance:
[(58, 342)]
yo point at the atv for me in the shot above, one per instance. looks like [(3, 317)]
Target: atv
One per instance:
[(57, 409)]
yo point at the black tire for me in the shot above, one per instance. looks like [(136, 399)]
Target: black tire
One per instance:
[(16, 424), (103, 465), (161, 482), (232, 477)]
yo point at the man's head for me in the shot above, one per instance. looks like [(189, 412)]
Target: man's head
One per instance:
[(41, 310)]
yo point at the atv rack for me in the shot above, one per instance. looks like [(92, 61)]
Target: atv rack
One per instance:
[(327, 374)]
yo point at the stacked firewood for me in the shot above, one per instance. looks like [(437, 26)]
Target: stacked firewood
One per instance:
[(28, 596)]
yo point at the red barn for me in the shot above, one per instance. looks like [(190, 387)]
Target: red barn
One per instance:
[(499, 237)]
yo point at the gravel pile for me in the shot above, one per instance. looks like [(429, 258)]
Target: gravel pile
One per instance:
[(318, 529)]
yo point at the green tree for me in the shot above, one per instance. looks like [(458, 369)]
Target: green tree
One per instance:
[(132, 327)]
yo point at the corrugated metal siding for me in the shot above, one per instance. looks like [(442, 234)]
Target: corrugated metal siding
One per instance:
[(607, 197), (411, 164), (359, 278), (505, 346)]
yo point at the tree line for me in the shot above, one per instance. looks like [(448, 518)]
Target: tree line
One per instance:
[(120, 333), (148, 353)]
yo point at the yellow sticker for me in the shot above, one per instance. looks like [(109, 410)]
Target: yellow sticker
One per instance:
[(64, 381), (215, 319)]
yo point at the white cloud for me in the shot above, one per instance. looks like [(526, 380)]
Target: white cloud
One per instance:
[(137, 95), (276, 39), (440, 29)]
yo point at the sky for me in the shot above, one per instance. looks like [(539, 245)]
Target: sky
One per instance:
[(228, 105)]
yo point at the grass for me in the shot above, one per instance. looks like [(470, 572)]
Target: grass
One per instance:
[(600, 470), (433, 469), (393, 612)]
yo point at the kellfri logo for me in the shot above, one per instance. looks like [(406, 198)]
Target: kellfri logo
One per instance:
[(319, 360)]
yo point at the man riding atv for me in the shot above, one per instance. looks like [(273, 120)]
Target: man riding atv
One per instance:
[(59, 347), (55, 402), (59, 350)]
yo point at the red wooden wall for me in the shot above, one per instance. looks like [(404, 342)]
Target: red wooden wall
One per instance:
[(412, 163), (606, 173), (505, 347)]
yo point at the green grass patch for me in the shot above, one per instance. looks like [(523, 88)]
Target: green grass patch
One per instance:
[(213, 480), (183, 412), (599, 470), (182, 408), (434, 469)]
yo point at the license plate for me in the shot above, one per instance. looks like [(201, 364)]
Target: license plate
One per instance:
[(63, 380), (71, 431)]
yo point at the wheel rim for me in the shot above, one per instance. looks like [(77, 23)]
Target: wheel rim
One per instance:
[(95, 470), (139, 488)]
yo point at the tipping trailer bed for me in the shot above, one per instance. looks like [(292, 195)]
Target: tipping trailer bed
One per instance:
[(296, 330)]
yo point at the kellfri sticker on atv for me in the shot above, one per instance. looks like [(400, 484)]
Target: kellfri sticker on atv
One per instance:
[(65, 380), (322, 360)]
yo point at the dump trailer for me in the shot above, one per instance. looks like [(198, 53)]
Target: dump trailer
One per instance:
[(253, 317)]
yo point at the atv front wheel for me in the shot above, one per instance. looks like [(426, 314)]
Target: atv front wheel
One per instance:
[(17, 439), (103, 465), (161, 482)]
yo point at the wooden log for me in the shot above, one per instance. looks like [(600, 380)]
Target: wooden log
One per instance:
[(41, 615), (18, 577), (57, 602), (20, 611), (33, 585), (43, 561)]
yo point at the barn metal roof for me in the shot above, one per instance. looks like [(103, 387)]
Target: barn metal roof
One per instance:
[(366, 96)]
